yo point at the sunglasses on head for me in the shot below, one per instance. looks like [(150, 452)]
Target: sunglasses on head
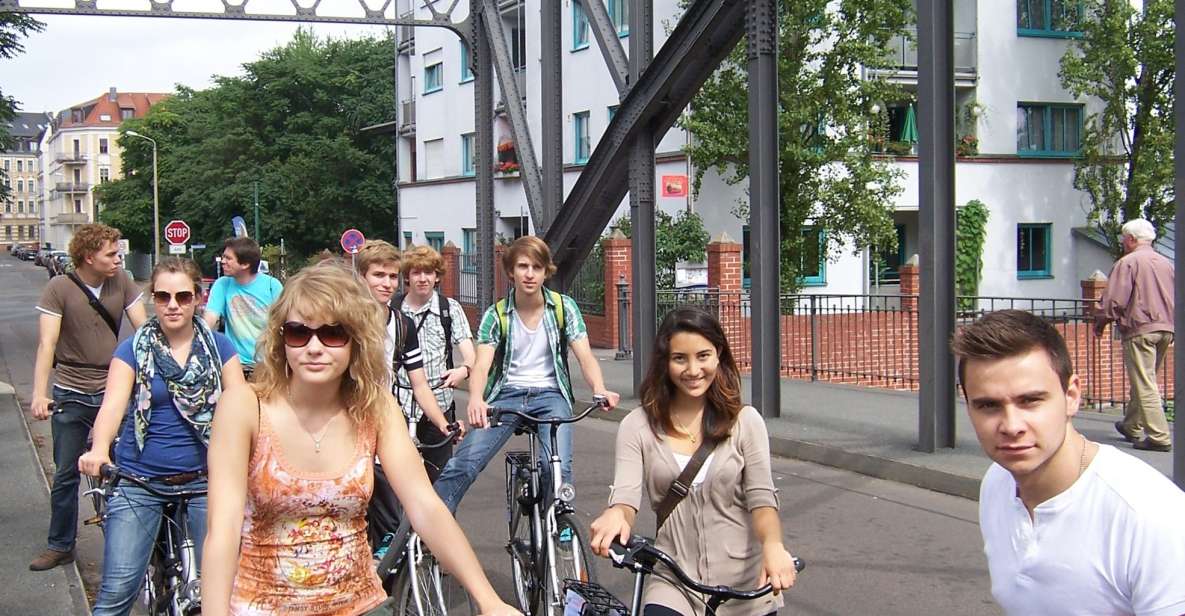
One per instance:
[(184, 298), (297, 335)]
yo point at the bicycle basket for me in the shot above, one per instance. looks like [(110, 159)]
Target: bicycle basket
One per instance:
[(590, 599)]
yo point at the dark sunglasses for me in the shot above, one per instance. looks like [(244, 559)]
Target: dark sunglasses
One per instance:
[(184, 298), (297, 335)]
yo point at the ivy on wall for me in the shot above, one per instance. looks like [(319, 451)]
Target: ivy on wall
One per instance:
[(970, 233)]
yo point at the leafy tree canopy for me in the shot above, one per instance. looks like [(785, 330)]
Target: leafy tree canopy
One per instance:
[(681, 237), (291, 123), (1125, 60), (827, 172), (13, 28)]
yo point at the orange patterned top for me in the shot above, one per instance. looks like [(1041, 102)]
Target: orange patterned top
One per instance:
[(304, 548)]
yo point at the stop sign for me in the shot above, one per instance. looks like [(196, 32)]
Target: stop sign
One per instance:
[(177, 232)]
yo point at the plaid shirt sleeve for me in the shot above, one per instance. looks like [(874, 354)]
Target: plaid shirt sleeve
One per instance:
[(460, 322), (573, 320), (488, 331)]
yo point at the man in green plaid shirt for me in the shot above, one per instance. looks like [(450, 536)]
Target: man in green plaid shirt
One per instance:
[(532, 376)]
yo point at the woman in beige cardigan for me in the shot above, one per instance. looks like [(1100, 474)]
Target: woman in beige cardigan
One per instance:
[(726, 530)]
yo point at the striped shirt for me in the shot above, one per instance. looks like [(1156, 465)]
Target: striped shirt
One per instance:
[(430, 334), (490, 332)]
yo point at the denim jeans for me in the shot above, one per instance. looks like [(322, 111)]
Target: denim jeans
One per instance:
[(480, 446), (70, 426), (130, 531)]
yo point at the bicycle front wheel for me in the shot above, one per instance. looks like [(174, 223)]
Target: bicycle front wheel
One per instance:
[(528, 588), (573, 559)]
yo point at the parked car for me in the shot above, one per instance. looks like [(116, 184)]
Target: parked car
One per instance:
[(31, 254), (57, 263)]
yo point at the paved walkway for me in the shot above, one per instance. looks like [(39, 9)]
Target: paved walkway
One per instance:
[(873, 431), (23, 512)]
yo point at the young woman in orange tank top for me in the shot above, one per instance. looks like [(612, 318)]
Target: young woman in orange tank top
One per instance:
[(291, 468)]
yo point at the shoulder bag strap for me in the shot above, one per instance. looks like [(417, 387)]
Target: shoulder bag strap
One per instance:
[(682, 484), (446, 323), (96, 304)]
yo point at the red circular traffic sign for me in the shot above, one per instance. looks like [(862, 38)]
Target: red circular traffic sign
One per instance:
[(177, 232), (352, 241)]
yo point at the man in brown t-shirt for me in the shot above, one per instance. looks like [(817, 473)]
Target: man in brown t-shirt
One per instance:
[(77, 342)]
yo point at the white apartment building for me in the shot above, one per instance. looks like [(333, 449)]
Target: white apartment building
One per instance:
[(1028, 129), (79, 151), (19, 221)]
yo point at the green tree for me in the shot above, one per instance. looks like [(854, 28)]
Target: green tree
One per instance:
[(827, 171), (1125, 60), (13, 28), (681, 237), (290, 123)]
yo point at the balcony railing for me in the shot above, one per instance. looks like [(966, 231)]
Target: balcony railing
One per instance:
[(407, 116), (71, 187), (904, 52), (71, 218), (407, 35), (69, 157)]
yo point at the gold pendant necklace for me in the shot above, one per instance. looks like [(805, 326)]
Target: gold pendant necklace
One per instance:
[(324, 431), (682, 428)]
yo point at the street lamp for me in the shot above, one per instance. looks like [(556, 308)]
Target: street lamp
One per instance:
[(155, 200)]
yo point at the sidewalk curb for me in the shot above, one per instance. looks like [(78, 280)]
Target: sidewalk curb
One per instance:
[(864, 464), (78, 593)]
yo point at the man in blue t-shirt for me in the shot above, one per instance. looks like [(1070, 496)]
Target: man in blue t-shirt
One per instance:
[(241, 297)]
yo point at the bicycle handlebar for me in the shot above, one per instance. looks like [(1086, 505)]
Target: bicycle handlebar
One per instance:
[(641, 553), (454, 429), (495, 414), (112, 472)]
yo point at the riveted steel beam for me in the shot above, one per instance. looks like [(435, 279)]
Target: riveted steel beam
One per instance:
[(483, 117), (609, 43), (708, 30), (641, 185), (936, 179), (513, 102), (552, 92)]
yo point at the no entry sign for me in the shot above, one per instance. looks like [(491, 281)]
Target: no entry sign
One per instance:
[(177, 232)]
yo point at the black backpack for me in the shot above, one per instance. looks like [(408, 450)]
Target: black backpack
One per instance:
[(446, 322)]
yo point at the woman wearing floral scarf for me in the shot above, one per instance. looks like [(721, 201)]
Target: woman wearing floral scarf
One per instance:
[(169, 375)]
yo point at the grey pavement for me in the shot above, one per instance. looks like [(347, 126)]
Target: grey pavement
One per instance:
[(24, 511), (874, 432)]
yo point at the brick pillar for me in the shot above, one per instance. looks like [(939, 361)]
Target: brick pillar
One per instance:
[(726, 277), (451, 285), (618, 253), (909, 284), (724, 264), (1092, 292), (500, 279)]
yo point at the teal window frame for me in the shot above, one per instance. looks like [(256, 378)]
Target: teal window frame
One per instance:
[(582, 146), (469, 250), (1046, 147), (619, 14), (466, 71), (435, 239), (1046, 29), (580, 27), (468, 165), (820, 278), (434, 77), (408, 239), (1024, 247), (612, 111)]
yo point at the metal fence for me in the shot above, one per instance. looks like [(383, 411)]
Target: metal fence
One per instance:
[(872, 340), (467, 278), (588, 288)]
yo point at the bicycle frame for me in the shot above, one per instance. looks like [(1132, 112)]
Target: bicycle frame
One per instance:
[(543, 523)]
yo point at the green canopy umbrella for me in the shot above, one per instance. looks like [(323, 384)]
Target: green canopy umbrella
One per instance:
[(909, 131)]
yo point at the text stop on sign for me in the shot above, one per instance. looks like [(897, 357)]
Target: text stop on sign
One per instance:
[(177, 232)]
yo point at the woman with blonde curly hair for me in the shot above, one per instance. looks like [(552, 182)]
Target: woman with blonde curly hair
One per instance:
[(293, 472)]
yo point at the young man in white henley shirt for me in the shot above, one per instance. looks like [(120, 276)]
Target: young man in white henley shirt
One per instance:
[(1069, 526)]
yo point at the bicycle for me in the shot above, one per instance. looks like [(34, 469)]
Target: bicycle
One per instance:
[(171, 586), (410, 572), (545, 544), (641, 557)]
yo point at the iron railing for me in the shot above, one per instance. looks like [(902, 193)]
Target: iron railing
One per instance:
[(588, 288), (872, 340), (468, 279)]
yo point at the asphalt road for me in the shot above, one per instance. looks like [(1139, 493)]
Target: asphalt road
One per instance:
[(871, 546)]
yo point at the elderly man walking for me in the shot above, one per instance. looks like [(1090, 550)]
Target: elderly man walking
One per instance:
[(1139, 299)]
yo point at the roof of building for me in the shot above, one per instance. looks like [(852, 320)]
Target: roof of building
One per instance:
[(105, 110), (27, 125)]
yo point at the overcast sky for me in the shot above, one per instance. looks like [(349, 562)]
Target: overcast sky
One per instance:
[(78, 58)]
